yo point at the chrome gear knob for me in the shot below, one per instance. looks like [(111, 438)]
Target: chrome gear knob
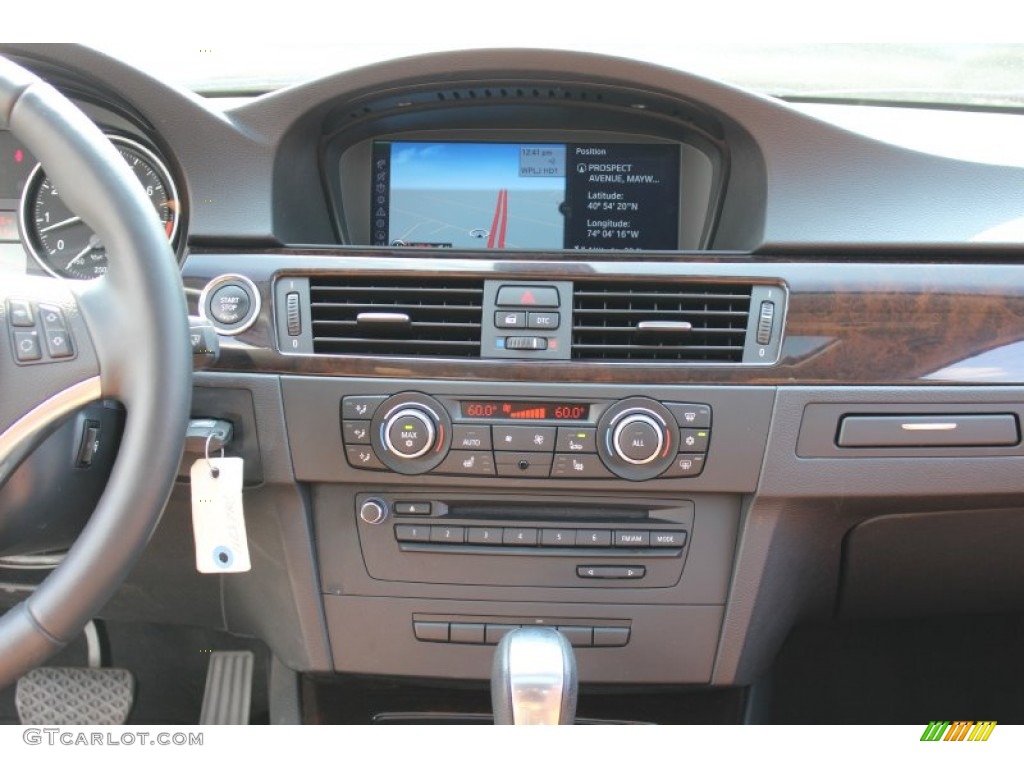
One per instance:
[(534, 680)]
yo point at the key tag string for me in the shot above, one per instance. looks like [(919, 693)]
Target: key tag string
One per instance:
[(214, 471)]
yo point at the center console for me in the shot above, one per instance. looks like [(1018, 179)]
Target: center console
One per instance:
[(448, 513)]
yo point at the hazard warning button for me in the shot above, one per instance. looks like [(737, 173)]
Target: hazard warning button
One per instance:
[(527, 296)]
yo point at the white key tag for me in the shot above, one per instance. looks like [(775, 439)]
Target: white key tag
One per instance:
[(218, 520)]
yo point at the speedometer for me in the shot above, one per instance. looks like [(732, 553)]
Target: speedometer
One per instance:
[(63, 244)]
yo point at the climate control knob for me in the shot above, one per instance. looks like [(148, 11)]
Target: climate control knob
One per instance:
[(638, 438), (409, 433)]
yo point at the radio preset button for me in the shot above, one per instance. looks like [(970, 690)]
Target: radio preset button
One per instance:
[(412, 532), (485, 536), (593, 538), (447, 534), (520, 537), (557, 537)]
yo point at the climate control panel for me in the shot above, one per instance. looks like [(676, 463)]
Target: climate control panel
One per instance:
[(635, 438)]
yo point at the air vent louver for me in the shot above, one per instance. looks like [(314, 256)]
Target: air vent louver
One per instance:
[(648, 321), (410, 317)]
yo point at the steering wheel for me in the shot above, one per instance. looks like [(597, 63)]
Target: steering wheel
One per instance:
[(128, 337)]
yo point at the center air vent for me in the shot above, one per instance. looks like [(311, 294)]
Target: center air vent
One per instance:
[(688, 322), (418, 317)]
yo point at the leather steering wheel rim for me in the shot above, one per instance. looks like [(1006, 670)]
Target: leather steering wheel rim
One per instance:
[(137, 341)]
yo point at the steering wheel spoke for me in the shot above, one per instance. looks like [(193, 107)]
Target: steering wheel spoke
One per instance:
[(48, 363), (127, 334)]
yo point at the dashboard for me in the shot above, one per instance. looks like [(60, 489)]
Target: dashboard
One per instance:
[(514, 338)]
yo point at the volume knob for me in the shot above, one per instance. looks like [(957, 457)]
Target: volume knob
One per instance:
[(638, 438), (373, 511), (409, 433)]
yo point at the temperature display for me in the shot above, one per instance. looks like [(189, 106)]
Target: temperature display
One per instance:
[(505, 409)]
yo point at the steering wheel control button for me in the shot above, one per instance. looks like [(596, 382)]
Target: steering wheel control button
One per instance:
[(20, 313), (360, 406), (668, 539), (26, 346), (471, 438), (412, 533), (686, 465), (541, 439), (231, 303), (576, 440), (632, 539), (527, 296), (58, 344), (591, 538), (488, 537), (447, 534), (694, 440), (583, 465), (691, 415), (409, 433), (52, 318), (363, 457), (611, 571), (373, 511), (638, 439), (510, 319)]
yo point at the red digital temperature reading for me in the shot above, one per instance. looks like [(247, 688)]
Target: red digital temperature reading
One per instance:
[(512, 410)]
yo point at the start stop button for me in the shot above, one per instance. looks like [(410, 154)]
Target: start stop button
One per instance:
[(231, 303)]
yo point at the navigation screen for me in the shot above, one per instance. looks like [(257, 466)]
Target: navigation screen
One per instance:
[(535, 196)]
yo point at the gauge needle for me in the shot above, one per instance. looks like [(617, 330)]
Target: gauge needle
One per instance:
[(80, 256), (72, 220)]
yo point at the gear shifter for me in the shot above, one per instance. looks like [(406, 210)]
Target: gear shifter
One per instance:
[(533, 680)]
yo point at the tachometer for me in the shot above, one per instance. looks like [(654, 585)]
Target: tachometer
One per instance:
[(63, 244)]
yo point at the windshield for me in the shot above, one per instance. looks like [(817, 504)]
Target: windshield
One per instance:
[(964, 75)]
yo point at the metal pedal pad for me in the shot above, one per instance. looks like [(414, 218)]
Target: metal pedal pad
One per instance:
[(75, 696), (228, 696)]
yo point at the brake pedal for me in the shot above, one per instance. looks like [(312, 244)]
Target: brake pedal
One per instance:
[(75, 696), (228, 696)]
